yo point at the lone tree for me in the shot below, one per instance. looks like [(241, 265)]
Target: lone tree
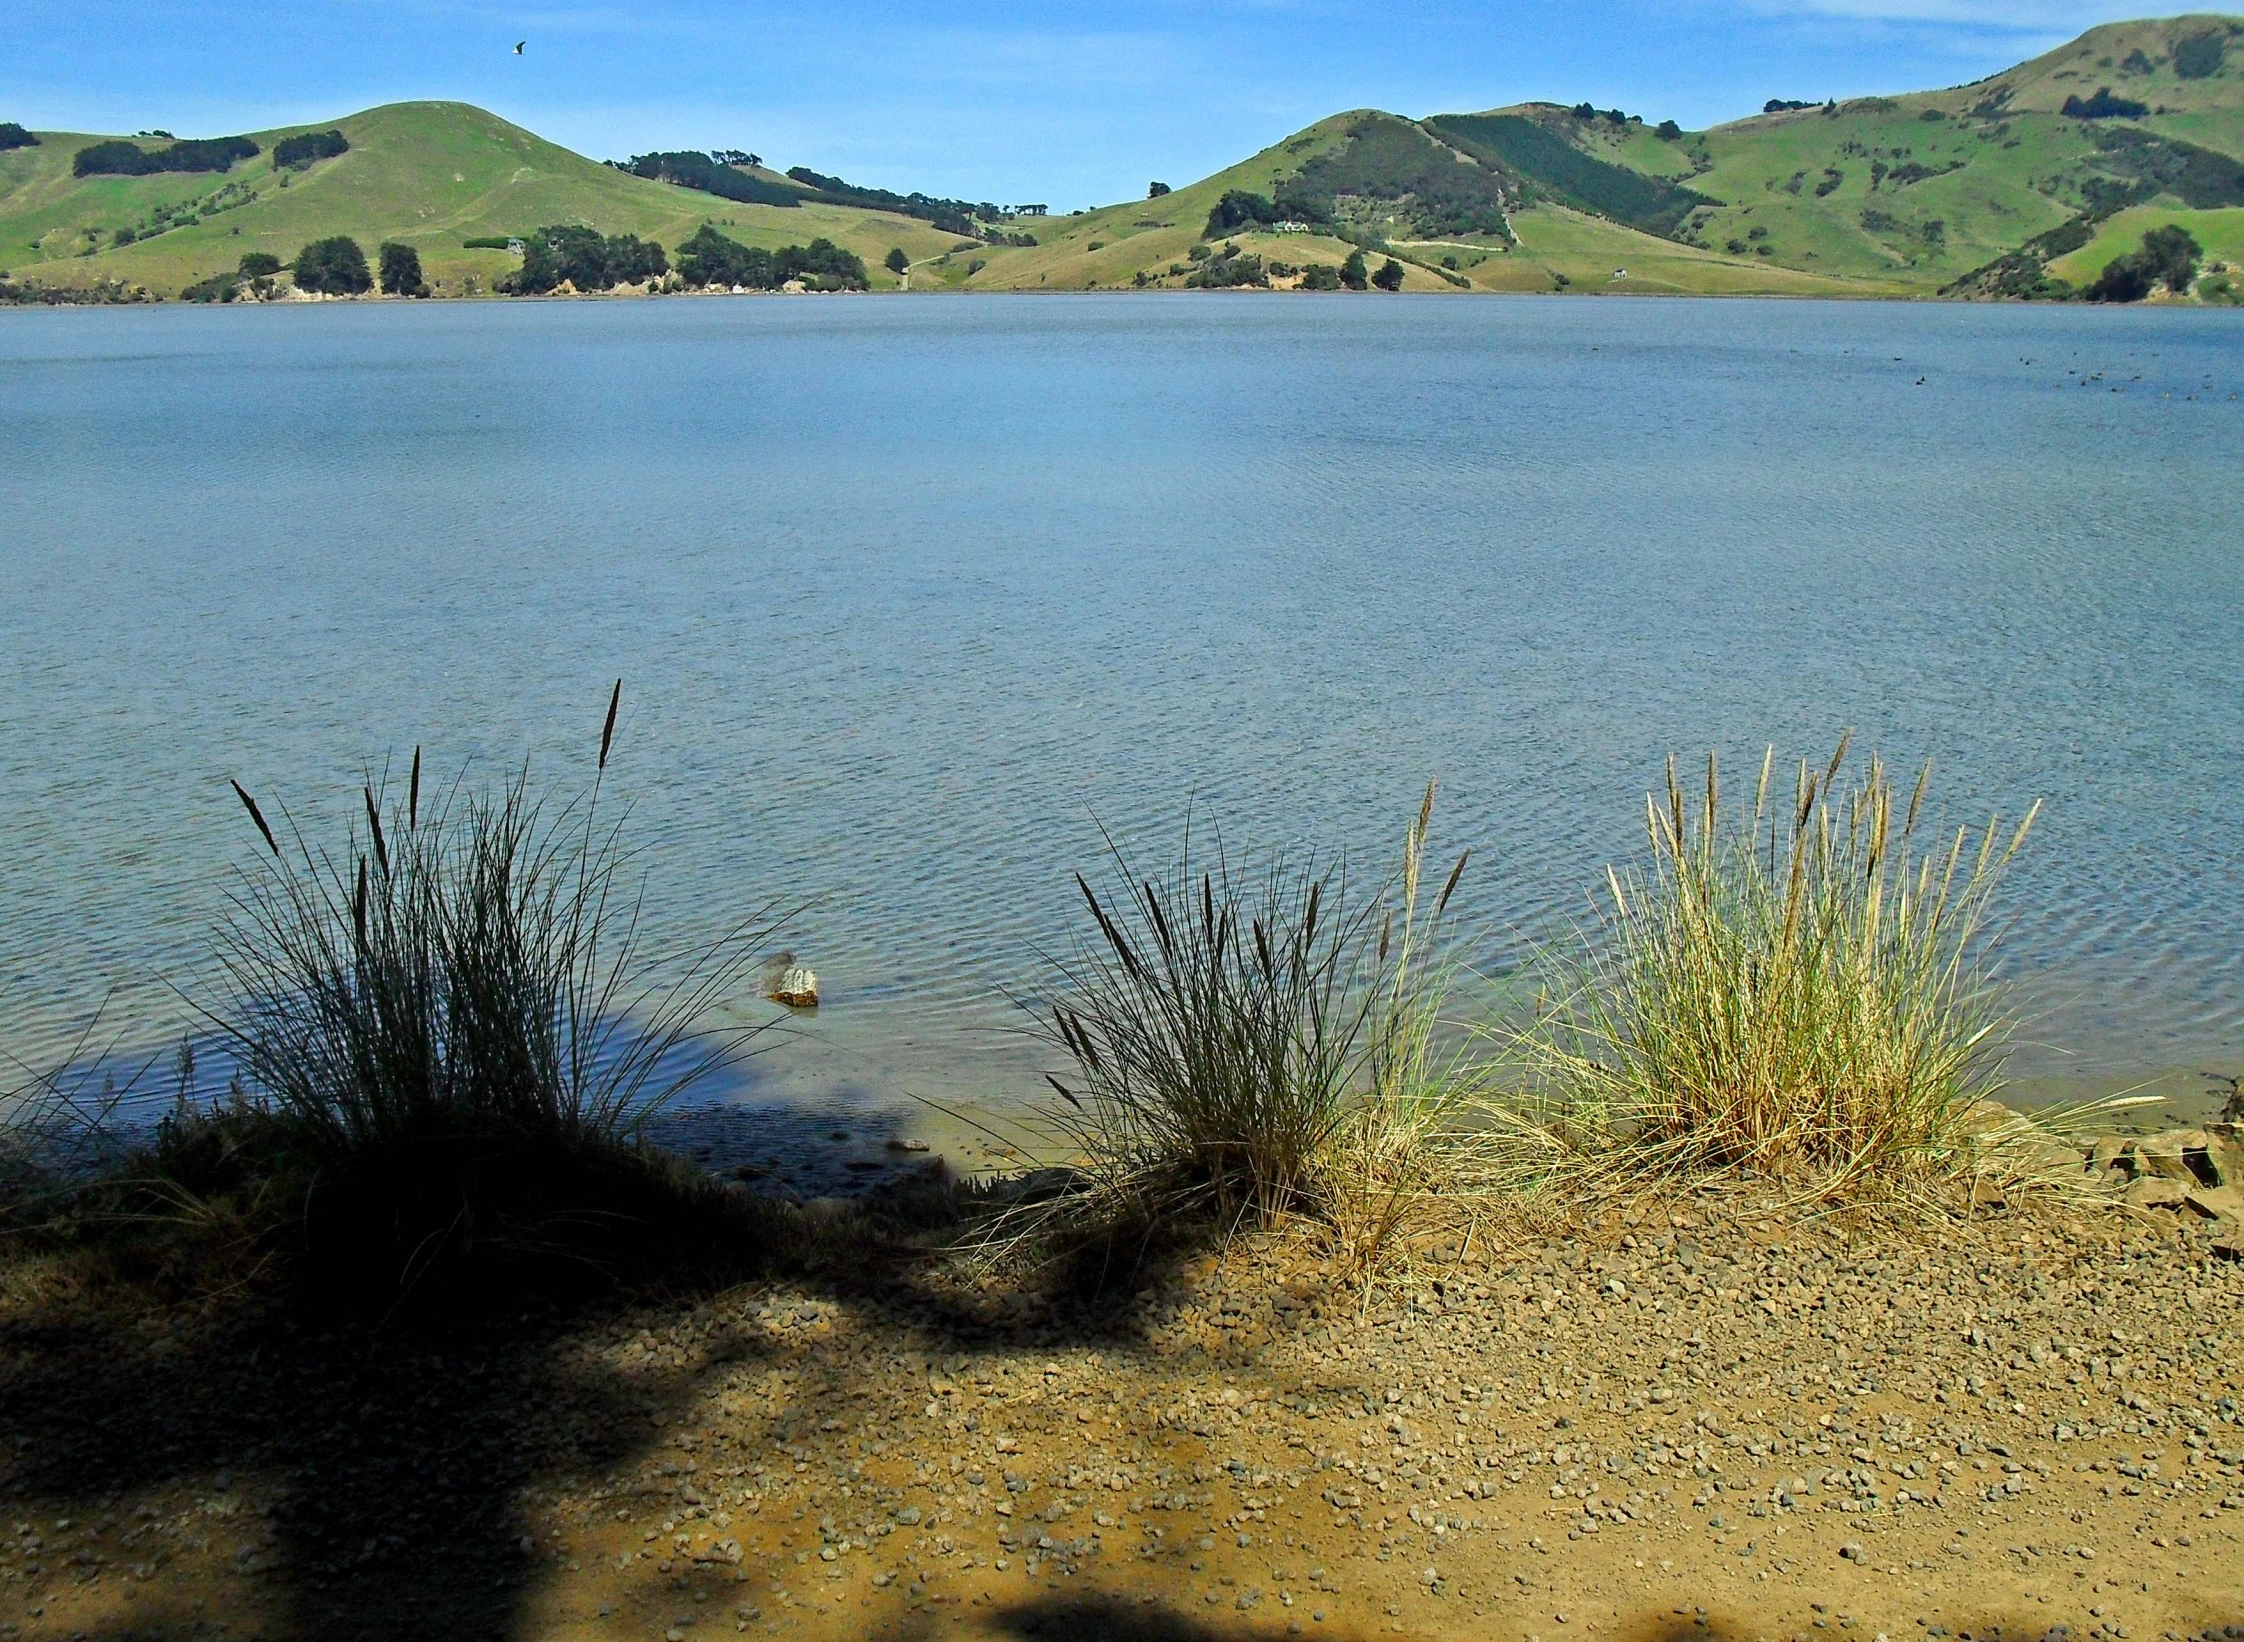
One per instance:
[(896, 262), (401, 270), (336, 266), (1390, 275), (259, 265), (1154, 190), (1353, 274)]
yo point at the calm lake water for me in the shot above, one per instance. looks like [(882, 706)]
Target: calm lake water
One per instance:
[(909, 594)]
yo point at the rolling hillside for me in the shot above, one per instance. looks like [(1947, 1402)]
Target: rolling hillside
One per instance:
[(431, 174), (2025, 183), (1878, 196)]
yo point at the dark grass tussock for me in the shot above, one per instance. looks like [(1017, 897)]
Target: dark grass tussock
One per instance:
[(448, 1036)]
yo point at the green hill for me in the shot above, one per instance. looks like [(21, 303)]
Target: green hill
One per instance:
[(1904, 195), (430, 174), (2024, 183)]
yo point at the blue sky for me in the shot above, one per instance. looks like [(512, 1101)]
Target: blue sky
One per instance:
[(1073, 102)]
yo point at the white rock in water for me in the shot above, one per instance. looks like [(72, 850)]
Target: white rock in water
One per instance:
[(797, 988)]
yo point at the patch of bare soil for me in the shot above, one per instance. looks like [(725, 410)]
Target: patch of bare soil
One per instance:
[(1681, 1425)]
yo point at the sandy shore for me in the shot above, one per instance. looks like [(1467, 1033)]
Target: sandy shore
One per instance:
[(1677, 1424)]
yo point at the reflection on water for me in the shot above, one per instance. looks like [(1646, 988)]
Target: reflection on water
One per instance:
[(910, 594)]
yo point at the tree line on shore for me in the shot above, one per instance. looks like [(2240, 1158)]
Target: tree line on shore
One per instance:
[(561, 255)]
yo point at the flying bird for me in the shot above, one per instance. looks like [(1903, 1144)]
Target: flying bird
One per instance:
[(518, 45)]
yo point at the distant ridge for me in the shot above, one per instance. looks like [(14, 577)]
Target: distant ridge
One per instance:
[(2013, 186)]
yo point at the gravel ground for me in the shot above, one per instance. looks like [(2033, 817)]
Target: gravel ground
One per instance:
[(1676, 1424)]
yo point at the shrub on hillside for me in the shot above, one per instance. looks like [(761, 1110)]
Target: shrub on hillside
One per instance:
[(1228, 270), (1390, 275), (2199, 56), (2168, 256), (896, 262), (13, 135), (259, 265), (401, 270), (1354, 273), (1320, 276), (335, 266), (295, 153), (117, 158), (2104, 106)]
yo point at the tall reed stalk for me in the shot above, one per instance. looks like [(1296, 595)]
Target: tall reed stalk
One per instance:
[(1802, 988)]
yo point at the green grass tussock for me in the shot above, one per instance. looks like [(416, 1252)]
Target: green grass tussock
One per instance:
[(1258, 1045), (1802, 989)]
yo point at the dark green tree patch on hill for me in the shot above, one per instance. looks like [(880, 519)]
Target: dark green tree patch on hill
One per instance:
[(1390, 275), (711, 258), (1551, 163), (13, 135), (2199, 57), (1409, 175), (118, 158), (2023, 274), (2168, 256), (260, 265), (952, 216), (1239, 209), (1353, 273), (2104, 106), (2203, 178), (306, 148), (707, 174), (580, 257), (335, 266), (896, 262)]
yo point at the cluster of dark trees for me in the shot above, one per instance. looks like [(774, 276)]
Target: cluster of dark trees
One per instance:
[(717, 174), (295, 153), (401, 270), (13, 135), (710, 174), (952, 216), (335, 266), (1227, 270), (2168, 256), (710, 258), (256, 270), (1240, 209), (1612, 116), (584, 259), (2104, 106), (118, 158), (1788, 105)]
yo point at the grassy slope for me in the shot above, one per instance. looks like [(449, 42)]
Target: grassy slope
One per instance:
[(2022, 160), (430, 174), (2221, 233), (1064, 261)]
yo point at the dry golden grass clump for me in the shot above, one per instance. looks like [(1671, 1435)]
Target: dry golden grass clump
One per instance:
[(1800, 989)]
